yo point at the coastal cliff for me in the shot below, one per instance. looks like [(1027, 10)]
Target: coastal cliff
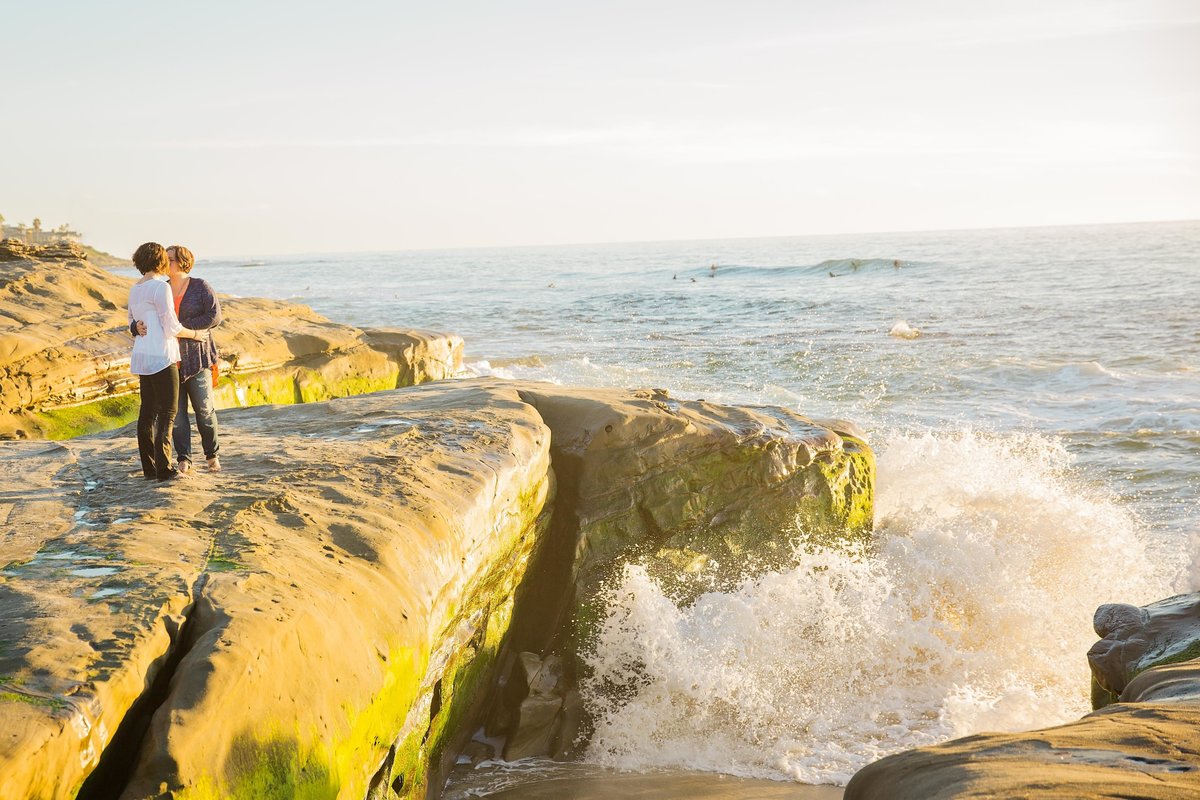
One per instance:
[(369, 581), (1139, 742), (64, 349)]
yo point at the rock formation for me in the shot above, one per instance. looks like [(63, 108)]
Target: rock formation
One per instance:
[(64, 349), (699, 493), (1140, 742), (332, 615), (1135, 640)]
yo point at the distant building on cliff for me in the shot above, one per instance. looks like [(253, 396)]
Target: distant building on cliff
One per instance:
[(37, 234)]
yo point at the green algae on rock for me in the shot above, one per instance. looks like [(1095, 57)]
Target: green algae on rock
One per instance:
[(702, 494)]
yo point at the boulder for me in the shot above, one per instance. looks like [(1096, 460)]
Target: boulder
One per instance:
[(1135, 639), (538, 689), (1141, 742), (64, 349), (699, 493), (649, 473)]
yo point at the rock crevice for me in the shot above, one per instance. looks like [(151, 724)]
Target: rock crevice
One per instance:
[(115, 765)]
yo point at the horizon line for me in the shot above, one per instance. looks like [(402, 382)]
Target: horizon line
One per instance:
[(613, 242)]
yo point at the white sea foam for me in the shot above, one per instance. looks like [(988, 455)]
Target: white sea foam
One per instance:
[(971, 612), (902, 330), (1094, 369), (484, 369), (1191, 581)]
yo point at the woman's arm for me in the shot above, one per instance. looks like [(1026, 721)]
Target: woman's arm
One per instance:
[(206, 299)]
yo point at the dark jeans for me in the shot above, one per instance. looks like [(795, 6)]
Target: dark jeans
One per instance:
[(160, 398), (198, 389)]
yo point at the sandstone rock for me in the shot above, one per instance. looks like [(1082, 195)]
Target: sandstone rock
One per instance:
[(1143, 745), (64, 349), (535, 728), (650, 471), (1138, 751), (478, 752), (567, 744), (359, 563)]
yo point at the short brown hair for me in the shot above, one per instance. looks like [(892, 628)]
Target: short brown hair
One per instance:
[(150, 257), (183, 256)]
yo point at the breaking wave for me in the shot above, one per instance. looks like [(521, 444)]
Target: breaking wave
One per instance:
[(971, 611)]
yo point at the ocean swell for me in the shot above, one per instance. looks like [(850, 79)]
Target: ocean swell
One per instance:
[(832, 266)]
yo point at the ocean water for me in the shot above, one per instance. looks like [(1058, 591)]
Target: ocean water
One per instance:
[(1033, 396)]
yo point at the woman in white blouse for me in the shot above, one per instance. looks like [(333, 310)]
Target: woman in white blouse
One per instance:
[(154, 360)]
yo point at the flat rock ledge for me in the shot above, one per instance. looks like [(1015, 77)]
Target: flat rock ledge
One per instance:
[(367, 583), (1142, 741), (64, 349)]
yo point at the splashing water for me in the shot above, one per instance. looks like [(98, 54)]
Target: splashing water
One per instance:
[(971, 612), (902, 330)]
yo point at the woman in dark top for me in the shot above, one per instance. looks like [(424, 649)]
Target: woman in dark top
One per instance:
[(197, 306), (197, 303)]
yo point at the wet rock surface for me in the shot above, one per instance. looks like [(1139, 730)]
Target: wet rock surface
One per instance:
[(1135, 639)]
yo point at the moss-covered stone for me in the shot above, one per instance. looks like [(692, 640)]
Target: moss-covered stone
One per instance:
[(33, 700), (101, 415), (394, 581), (701, 495)]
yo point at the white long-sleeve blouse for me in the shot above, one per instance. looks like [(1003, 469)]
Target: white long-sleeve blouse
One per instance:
[(151, 303)]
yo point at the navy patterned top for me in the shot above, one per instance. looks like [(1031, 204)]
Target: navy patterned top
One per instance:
[(199, 309)]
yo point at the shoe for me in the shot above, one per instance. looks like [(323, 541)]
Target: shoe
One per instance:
[(214, 464), (170, 476), (185, 467)]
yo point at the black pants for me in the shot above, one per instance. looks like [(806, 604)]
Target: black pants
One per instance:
[(160, 399)]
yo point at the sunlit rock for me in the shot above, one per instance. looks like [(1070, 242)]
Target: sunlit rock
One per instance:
[(333, 599)]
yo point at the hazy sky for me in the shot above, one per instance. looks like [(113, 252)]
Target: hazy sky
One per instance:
[(264, 127)]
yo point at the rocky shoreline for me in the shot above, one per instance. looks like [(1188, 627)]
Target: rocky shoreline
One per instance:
[(336, 614), (378, 576), (64, 349)]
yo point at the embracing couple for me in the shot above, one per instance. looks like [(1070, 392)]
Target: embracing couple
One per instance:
[(170, 316)]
